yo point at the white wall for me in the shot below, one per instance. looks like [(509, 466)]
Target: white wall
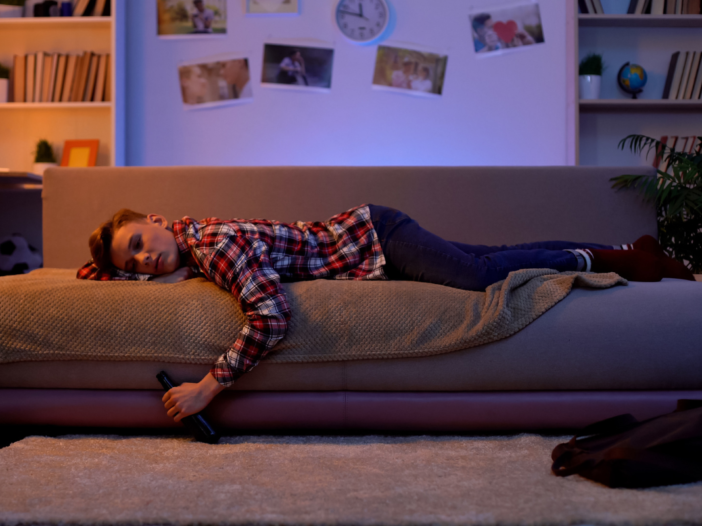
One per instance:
[(502, 110)]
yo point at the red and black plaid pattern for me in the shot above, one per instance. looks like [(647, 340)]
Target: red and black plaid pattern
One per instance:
[(249, 258)]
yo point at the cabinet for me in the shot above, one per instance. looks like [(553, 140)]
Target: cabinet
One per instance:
[(23, 124), (596, 127)]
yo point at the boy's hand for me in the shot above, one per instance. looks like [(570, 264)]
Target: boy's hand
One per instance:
[(188, 399), (179, 275)]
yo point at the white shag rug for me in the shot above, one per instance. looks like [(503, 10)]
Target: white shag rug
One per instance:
[(365, 480)]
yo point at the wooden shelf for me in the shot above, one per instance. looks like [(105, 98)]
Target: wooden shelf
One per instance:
[(53, 105), (639, 105), (56, 21), (640, 20)]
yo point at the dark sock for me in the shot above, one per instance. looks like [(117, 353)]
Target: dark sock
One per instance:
[(672, 268), (633, 265)]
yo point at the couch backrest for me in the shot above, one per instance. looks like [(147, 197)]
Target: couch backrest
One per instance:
[(479, 205)]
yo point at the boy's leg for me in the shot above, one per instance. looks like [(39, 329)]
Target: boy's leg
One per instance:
[(415, 254), (481, 250)]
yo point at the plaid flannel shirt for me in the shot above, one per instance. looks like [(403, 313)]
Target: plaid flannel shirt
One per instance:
[(249, 258)]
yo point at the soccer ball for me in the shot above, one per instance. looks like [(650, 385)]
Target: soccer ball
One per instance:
[(17, 256)]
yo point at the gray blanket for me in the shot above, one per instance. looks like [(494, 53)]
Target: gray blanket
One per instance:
[(50, 315)]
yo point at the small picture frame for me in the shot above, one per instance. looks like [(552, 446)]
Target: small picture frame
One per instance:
[(191, 19), (271, 7), (80, 154)]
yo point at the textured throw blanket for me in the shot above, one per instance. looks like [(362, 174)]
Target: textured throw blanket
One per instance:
[(50, 315)]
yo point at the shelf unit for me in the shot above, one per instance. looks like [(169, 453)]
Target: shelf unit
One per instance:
[(23, 124), (596, 126)]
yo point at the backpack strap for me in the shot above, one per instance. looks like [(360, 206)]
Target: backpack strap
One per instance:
[(615, 424)]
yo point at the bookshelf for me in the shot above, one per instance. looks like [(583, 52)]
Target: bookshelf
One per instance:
[(23, 124), (596, 127)]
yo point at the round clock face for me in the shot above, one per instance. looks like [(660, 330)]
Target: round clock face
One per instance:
[(362, 21)]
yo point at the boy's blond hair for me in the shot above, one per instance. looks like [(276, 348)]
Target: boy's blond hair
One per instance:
[(100, 241)]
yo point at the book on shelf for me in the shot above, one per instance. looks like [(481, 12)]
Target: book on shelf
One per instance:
[(19, 64), (657, 7), (672, 142), (52, 78), (46, 80), (92, 75), (591, 7), (680, 94), (38, 76), (99, 93), (108, 82), (29, 84), (68, 79), (80, 78), (60, 76)]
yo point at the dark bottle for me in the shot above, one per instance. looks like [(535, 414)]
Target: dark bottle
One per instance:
[(196, 424)]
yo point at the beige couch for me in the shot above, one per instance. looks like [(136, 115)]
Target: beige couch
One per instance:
[(593, 355)]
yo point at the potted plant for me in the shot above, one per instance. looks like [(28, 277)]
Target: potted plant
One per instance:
[(590, 79), (43, 157), (11, 8), (4, 83), (678, 198)]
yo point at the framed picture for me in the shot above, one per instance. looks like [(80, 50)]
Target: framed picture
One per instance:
[(297, 67), (80, 154), (218, 80), (191, 18), (271, 7), (409, 71), (500, 29)]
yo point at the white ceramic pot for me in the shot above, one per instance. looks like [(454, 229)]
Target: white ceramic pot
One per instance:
[(590, 86), (4, 85), (39, 168), (10, 11)]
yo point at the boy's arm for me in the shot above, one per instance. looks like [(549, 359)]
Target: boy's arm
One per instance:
[(243, 268), (91, 271)]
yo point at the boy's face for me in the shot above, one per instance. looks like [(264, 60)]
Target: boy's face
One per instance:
[(146, 247)]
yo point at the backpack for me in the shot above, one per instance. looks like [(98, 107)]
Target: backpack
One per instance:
[(622, 452)]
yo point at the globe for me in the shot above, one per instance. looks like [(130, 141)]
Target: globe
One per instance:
[(632, 78)]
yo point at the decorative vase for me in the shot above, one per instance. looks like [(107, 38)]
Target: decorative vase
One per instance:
[(40, 168), (590, 86), (4, 84), (10, 11)]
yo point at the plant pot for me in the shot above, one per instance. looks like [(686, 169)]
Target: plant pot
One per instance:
[(4, 85), (10, 11), (590, 86), (39, 168)]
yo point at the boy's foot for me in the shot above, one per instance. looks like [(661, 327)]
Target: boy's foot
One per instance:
[(633, 265), (672, 268)]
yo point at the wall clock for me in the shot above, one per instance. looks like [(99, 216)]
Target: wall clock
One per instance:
[(364, 21)]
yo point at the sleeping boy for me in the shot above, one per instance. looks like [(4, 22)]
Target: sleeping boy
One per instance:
[(250, 258)]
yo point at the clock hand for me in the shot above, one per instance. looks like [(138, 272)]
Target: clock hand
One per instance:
[(360, 10), (351, 13)]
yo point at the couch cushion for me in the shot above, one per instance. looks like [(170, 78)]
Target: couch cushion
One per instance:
[(50, 315), (644, 336)]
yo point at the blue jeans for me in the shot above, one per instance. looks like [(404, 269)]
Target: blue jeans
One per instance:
[(414, 254)]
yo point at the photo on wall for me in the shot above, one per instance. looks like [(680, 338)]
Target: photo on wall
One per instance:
[(215, 81), (191, 18), (509, 28), (297, 67), (409, 71), (271, 7)]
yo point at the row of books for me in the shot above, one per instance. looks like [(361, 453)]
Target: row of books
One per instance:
[(684, 80), (91, 8), (689, 144), (57, 77), (664, 7), (647, 7)]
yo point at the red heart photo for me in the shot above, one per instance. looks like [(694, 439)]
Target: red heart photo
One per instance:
[(506, 31)]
